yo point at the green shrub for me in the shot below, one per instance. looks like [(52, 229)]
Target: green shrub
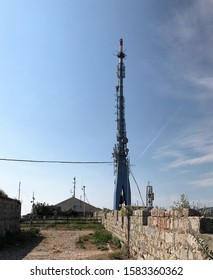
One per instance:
[(102, 237), (3, 193), (116, 242), (117, 256)]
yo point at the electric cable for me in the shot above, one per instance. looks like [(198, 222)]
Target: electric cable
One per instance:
[(55, 161)]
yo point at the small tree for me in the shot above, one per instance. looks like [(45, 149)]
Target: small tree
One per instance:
[(43, 209), (183, 202), (3, 193)]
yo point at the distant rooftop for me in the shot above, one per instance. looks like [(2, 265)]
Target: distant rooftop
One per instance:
[(76, 205)]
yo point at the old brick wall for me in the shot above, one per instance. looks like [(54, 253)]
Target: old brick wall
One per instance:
[(159, 234), (10, 215)]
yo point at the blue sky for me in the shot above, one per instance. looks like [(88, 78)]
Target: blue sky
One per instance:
[(57, 86)]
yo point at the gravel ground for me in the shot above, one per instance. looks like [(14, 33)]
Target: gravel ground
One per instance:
[(55, 245)]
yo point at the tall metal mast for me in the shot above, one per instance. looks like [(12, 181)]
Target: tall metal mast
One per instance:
[(122, 194)]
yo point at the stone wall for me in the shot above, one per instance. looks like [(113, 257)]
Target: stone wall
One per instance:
[(161, 234), (10, 215)]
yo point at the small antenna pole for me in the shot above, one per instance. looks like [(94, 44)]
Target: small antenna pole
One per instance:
[(19, 190), (74, 183), (33, 204), (83, 188)]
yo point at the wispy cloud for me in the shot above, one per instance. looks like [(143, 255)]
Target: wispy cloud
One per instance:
[(187, 35), (190, 31), (191, 146), (205, 181), (206, 82), (203, 88)]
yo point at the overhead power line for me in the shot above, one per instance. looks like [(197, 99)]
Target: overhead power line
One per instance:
[(55, 161)]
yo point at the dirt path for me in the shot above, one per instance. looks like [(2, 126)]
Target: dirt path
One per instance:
[(55, 245)]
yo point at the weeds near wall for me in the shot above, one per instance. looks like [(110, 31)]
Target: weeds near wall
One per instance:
[(205, 249), (103, 240), (100, 238), (122, 254)]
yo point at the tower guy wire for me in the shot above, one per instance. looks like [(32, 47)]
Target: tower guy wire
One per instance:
[(137, 187)]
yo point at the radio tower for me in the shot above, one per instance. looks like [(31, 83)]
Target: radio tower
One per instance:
[(122, 194)]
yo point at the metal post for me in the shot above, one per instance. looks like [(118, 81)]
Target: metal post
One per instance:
[(83, 188), (74, 182), (19, 191)]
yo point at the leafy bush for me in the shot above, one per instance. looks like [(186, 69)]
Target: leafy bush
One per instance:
[(119, 255), (2, 193), (102, 237), (183, 202), (116, 242)]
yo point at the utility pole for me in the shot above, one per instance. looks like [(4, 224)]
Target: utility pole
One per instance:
[(74, 182), (19, 191), (33, 204), (83, 188)]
